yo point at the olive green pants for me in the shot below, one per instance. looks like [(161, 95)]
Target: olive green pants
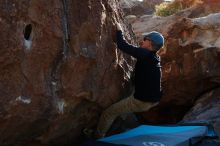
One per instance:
[(127, 105)]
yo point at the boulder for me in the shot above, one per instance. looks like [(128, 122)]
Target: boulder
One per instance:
[(59, 69), (203, 8), (137, 7), (206, 110), (131, 18)]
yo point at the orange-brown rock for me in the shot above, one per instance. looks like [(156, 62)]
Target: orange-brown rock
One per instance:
[(59, 68), (203, 8)]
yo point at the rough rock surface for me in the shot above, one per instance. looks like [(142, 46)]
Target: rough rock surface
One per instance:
[(59, 68), (150, 22), (190, 61), (206, 110), (204, 8), (138, 8)]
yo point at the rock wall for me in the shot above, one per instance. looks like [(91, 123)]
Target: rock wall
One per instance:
[(206, 110), (59, 68)]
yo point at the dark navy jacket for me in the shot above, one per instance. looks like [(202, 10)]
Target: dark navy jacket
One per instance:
[(147, 70)]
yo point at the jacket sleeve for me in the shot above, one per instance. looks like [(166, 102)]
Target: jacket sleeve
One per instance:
[(132, 50)]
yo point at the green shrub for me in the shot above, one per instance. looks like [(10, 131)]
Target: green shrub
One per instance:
[(169, 8)]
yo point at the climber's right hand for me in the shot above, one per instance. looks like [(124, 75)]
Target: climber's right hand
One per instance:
[(118, 26)]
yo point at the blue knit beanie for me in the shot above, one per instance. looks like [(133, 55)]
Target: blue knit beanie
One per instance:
[(156, 38)]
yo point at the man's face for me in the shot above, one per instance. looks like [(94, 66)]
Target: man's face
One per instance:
[(146, 43)]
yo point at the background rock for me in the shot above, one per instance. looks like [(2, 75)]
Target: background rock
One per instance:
[(138, 8), (59, 68), (190, 61), (206, 110), (204, 8)]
